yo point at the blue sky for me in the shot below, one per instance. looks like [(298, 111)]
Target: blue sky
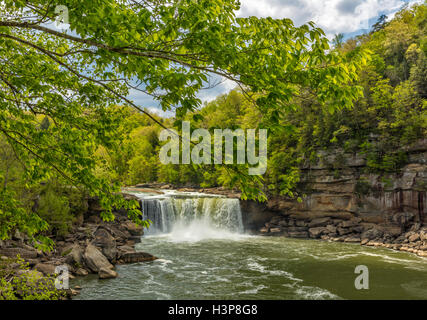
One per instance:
[(350, 17)]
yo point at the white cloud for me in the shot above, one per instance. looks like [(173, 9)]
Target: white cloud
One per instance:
[(333, 16), (224, 86), (161, 113)]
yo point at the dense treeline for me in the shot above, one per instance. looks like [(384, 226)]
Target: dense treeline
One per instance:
[(391, 114), (63, 136), (393, 111)]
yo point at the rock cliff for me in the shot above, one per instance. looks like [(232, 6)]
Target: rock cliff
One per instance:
[(343, 201)]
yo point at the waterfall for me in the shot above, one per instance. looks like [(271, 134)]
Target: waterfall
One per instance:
[(191, 215)]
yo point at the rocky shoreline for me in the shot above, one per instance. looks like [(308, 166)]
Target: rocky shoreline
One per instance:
[(276, 217), (92, 247), (350, 231)]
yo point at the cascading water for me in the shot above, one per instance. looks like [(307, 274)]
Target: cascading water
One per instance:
[(191, 216)]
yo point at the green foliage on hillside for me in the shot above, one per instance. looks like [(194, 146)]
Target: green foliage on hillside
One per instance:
[(66, 121), (390, 115)]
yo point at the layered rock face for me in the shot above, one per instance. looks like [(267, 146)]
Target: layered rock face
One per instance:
[(344, 202)]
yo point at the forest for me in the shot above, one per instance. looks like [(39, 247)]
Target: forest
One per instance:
[(71, 135), (392, 110), (119, 145)]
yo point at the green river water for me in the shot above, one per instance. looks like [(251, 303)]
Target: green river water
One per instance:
[(233, 266)]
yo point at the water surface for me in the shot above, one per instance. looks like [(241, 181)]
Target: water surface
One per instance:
[(216, 264)]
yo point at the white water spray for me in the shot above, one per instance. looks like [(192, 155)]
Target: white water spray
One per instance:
[(192, 216)]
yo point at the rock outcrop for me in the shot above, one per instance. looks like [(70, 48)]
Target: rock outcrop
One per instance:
[(93, 246), (343, 202)]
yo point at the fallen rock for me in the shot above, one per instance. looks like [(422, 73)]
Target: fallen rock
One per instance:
[(46, 269), (106, 273), (81, 272), (75, 256), (414, 237), (105, 241), (132, 257), (372, 233), (133, 228), (422, 253), (364, 241), (317, 232), (352, 240), (95, 260)]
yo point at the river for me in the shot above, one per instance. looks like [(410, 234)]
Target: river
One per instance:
[(205, 254)]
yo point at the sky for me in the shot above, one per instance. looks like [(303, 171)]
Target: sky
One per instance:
[(350, 17)]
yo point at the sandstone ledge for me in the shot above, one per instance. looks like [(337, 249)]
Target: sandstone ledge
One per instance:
[(354, 230)]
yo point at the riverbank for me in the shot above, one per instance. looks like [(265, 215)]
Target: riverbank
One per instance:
[(350, 231), (92, 247)]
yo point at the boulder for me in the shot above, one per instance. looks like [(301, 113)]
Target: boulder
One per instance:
[(133, 228), (372, 233), (132, 257), (317, 232), (75, 256), (413, 238), (46, 269), (422, 253), (106, 243), (352, 240), (364, 241), (95, 260), (119, 233), (106, 273), (283, 223), (264, 230), (81, 272)]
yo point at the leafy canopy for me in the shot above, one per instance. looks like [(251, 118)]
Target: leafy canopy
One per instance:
[(169, 50)]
